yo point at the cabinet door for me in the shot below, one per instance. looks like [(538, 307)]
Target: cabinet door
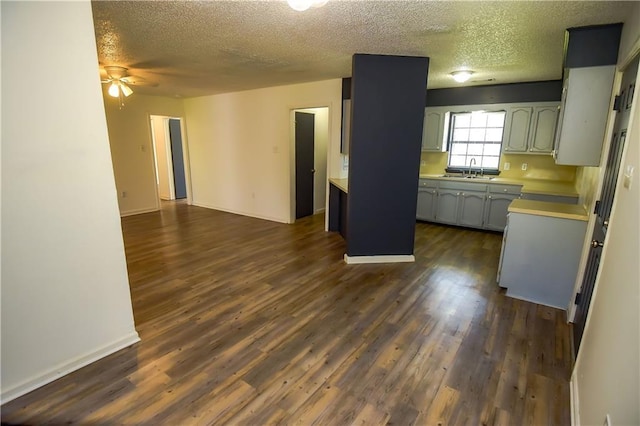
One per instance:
[(585, 111), (447, 207), (433, 129), (496, 211), (516, 132), (426, 204), (543, 129), (471, 209)]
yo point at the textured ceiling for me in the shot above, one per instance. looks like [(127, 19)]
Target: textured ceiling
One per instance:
[(193, 48)]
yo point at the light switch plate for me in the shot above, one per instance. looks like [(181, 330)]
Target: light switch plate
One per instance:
[(628, 176), (507, 166), (524, 166)]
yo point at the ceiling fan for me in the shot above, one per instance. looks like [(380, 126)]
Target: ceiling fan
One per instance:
[(119, 82)]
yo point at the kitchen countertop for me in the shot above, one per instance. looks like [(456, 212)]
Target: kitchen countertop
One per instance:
[(543, 208), (530, 186), (342, 184)]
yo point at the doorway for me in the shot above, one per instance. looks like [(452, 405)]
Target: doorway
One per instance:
[(605, 203), (169, 156), (310, 128)]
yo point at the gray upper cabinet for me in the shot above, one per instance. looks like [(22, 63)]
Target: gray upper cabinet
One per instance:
[(543, 129), (433, 130), (516, 132), (586, 97), (530, 129)]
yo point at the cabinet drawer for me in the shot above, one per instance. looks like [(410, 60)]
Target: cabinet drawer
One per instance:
[(505, 189), (427, 183), (463, 186)]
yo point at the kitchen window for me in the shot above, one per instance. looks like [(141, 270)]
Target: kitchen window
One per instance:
[(475, 138)]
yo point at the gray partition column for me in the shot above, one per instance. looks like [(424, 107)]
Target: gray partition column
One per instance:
[(387, 112)]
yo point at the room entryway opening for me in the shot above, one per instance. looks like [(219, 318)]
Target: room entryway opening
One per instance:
[(311, 136), (169, 156)]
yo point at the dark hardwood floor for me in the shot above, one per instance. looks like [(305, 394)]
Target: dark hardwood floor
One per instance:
[(250, 322)]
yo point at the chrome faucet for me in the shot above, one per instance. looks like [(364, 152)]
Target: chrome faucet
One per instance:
[(471, 162)]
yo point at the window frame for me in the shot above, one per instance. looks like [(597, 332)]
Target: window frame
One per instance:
[(449, 136)]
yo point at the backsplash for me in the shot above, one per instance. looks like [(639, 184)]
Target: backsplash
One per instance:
[(538, 166)]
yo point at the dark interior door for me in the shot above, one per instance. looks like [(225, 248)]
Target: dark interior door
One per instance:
[(304, 163), (603, 206), (177, 158)]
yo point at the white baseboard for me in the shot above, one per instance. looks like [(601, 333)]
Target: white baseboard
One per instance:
[(241, 213), (67, 367), (138, 211), (352, 260), (575, 400)]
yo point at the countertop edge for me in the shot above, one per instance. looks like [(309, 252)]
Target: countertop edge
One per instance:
[(341, 184)]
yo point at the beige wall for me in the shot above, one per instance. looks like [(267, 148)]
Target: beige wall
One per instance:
[(65, 291), (241, 146), (132, 150), (606, 378)]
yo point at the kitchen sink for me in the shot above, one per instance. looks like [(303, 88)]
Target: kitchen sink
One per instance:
[(473, 177)]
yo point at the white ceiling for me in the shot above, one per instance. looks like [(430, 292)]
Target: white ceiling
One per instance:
[(193, 48)]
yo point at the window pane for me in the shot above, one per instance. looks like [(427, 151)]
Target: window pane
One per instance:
[(476, 135), (457, 161), (475, 149), (494, 135), (462, 120), (490, 162), (479, 119), (459, 149), (461, 135), (492, 149), (495, 119)]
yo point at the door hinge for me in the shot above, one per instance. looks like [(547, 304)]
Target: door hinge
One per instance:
[(617, 103), (578, 298), (597, 207)]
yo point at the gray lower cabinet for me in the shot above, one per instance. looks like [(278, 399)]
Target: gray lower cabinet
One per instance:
[(540, 257), (495, 216), (426, 203), (473, 205), (471, 210), (447, 206), (566, 199), (498, 200)]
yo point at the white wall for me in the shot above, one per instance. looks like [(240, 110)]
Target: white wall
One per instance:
[(132, 150), (65, 292), (240, 146), (163, 156), (606, 377)]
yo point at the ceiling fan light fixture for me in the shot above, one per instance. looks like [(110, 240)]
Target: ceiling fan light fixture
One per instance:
[(126, 90), (114, 89), (461, 76), (300, 5)]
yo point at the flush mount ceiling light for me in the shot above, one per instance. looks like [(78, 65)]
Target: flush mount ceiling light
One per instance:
[(302, 5), (461, 76)]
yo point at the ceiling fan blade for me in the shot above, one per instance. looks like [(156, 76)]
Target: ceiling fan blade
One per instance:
[(137, 81), (126, 90)]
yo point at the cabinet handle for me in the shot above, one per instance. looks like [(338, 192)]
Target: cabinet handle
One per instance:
[(490, 197), (505, 190)]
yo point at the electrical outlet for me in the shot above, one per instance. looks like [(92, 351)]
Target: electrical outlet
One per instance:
[(423, 163), (607, 421), (524, 166), (507, 166)]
